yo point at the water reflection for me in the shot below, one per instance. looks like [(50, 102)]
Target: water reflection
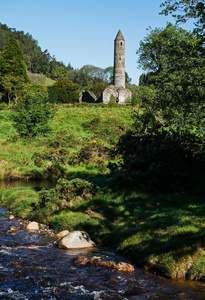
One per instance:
[(23, 183)]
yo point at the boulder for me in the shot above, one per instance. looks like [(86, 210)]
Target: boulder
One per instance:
[(62, 234), (120, 266), (76, 239), (32, 226), (96, 262), (81, 260)]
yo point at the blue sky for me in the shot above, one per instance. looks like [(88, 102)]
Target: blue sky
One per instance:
[(82, 32)]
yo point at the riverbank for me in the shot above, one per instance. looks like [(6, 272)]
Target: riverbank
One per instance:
[(33, 268), (162, 234)]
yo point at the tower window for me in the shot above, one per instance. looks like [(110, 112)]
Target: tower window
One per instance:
[(121, 43)]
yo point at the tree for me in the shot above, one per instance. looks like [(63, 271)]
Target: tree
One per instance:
[(12, 60), (32, 115), (97, 89), (166, 146), (182, 10), (176, 67), (13, 72), (13, 86), (166, 48), (67, 91)]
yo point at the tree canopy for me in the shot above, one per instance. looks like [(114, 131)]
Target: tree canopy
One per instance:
[(182, 10)]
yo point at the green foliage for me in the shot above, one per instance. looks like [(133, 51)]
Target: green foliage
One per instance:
[(92, 152), (52, 95), (3, 106), (32, 115), (54, 155), (177, 78), (167, 48), (65, 194), (113, 99), (67, 91), (97, 89), (40, 79), (108, 129), (12, 60), (36, 89), (142, 95), (157, 157), (184, 10), (13, 74), (89, 75)]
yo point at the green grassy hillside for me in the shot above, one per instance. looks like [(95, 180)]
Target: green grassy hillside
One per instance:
[(78, 144)]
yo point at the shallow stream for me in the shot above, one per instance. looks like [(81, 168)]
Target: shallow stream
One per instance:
[(32, 267)]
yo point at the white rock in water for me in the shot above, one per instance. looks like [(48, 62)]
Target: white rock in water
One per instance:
[(11, 217), (32, 226), (62, 234), (76, 239)]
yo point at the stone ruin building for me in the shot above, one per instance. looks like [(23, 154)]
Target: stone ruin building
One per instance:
[(118, 90)]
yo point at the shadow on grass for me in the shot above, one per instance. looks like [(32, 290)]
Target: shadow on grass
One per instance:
[(145, 226)]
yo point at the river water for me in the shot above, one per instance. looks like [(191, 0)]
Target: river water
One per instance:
[(32, 267)]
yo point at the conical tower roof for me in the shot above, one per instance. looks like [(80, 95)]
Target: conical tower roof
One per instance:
[(119, 36)]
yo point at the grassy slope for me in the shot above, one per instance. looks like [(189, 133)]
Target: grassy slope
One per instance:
[(162, 233), (16, 155)]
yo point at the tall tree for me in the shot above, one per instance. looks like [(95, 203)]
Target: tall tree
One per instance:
[(12, 69), (178, 73)]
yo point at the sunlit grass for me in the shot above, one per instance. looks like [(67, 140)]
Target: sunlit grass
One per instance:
[(71, 129)]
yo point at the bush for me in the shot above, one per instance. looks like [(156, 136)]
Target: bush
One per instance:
[(91, 151), (67, 91), (97, 89), (52, 95), (65, 194), (33, 115), (3, 106)]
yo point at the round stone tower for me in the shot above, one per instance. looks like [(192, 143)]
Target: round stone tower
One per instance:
[(119, 60)]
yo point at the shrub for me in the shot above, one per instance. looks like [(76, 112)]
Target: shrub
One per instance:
[(64, 194), (3, 106), (67, 91), (92, 150), (32, 115), (97, 89)]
